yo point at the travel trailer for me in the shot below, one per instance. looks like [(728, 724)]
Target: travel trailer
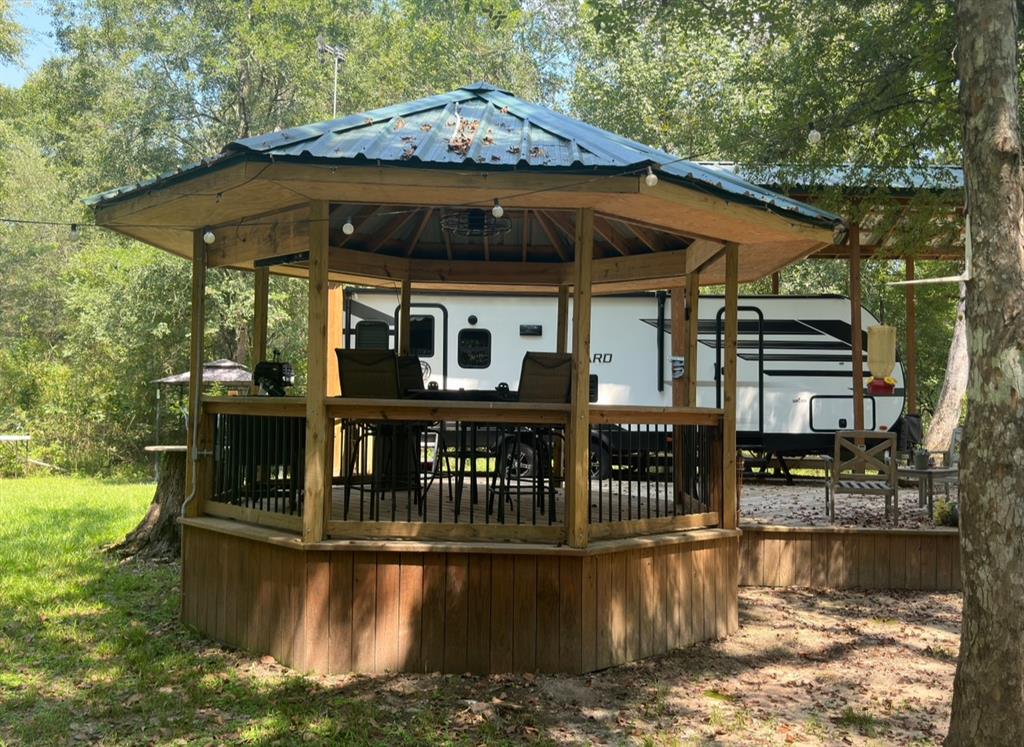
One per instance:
[(794, 387)]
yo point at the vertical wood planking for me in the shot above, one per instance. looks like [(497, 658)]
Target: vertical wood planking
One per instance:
[(589, 612), (648, 601), (634, 590), (389, 573), (410, 618), (548, 607), (524, 631), (607, 605), (339, 642), (882, 562), (433, 614), (364, 607), (570, 614), (898, 561), (503, 614), (929, 562), (686, 597), (318, 611), (456, 612), (478, 634), (913, 554), (674, 595), (865, 550), (734, 586)]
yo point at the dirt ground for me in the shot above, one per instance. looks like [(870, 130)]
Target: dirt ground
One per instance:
[(805, 668), (803, 504)]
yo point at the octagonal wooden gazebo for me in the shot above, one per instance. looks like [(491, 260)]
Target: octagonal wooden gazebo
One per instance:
[(566, 569)]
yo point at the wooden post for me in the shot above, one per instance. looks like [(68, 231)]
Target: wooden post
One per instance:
[(679, 346), (318, 475), (577, 488), (260, 298), (730, 510), (195, 370), (856, 335), (562, 329), (693, 322), (776, 282), (335, 340), (404, 318), (910, 371)]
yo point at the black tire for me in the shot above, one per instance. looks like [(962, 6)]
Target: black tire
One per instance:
[(518, 460), (600, 461)]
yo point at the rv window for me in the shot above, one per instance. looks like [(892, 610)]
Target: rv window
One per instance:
[(421, 336), (372, 335), (474, 348)]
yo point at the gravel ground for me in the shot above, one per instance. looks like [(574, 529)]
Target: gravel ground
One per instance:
[(803, 504)]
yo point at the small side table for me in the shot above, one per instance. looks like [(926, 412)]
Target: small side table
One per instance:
[(925, 482)]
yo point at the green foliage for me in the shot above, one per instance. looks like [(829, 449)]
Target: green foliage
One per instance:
[(11, 35), (947, 513), (138, 87)]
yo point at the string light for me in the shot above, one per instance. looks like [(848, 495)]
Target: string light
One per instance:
[(651, 180), (347, 228), (497, 211), (209, 237), (74, 232), (813, 136)]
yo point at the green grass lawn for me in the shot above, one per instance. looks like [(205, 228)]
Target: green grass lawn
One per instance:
[(91, 650)]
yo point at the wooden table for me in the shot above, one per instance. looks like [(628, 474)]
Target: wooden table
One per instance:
[(925, 482)]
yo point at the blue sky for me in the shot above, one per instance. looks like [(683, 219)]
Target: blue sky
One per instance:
[(39, 44)]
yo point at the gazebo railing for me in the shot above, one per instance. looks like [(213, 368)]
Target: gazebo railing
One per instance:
[(653, 470), (462, 471)]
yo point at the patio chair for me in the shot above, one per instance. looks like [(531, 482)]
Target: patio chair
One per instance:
[(864, 463), (410, 374), (543, 378), (951, 458), (395, 462)]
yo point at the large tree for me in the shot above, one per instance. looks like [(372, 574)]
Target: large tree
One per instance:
[(988, 697)]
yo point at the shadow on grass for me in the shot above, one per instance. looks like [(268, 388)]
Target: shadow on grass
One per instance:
[(93, 652)]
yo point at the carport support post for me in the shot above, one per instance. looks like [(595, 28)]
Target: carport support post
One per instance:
[(318, 473), (911, 372), (335, 340), (404, 318), (195, 373), (260, 296), (561, 342), (577, 488), (684, 338), (856, 335), (730, 508)]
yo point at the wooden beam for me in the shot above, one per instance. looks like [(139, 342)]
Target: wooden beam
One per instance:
[(261, 237), (383, 236), (577, 489), (729, 360), (359, 217), (607, 231), (404, 318), (551, 231), (195, 369), (650, 238), (701, 253), (526, 235), (419, 232), (335, 340), (261, 295), (318, 475), (856, 338), (910, 370)]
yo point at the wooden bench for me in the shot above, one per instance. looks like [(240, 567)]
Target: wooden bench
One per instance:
[(864, 463)]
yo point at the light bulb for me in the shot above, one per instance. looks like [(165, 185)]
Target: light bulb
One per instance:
[(497, 211), (209, 237), (813, 136), (347, 228), (74, 232), (651, 180)]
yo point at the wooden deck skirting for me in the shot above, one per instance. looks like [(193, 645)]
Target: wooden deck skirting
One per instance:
[(848, 558), (340, 606)]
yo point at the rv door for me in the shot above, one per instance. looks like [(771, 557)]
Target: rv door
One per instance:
[(428, 339)]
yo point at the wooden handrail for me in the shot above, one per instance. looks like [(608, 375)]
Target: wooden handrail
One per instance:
[(530, 413), (623, 414), (280, 407)]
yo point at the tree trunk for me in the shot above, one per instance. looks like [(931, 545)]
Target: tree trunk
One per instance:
[(954, 385), (158, 536), (988, 693)]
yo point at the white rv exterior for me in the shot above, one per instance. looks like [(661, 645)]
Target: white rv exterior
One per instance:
[(794, 386)]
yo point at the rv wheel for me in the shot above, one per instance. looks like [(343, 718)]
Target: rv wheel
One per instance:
[(520, 460), (600, 461)]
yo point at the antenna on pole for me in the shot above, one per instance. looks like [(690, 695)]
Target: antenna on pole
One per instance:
[(338, 53)]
